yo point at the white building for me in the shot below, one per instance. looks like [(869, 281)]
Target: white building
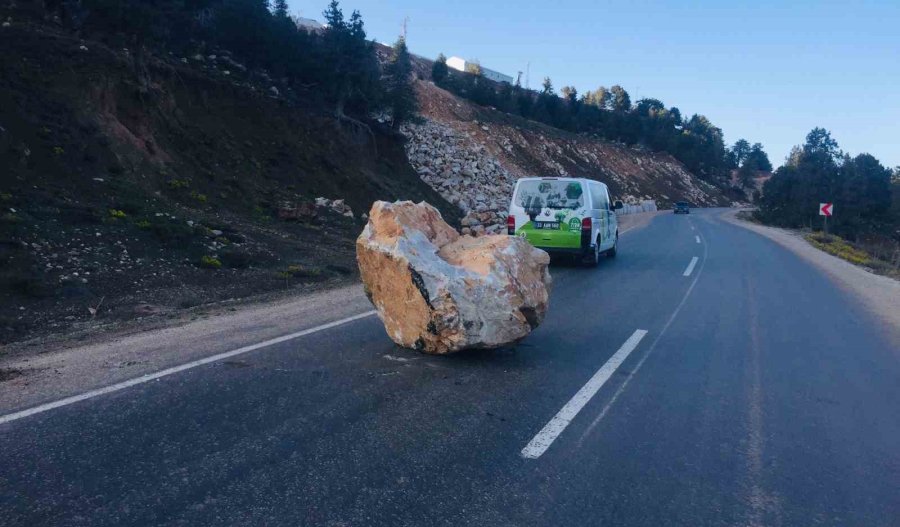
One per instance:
[(461, 64), (309, 24)]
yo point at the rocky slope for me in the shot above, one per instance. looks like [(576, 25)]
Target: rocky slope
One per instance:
[(138, 184), (473, 156)]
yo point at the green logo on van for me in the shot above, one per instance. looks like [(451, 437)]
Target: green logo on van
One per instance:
[(574, 224)]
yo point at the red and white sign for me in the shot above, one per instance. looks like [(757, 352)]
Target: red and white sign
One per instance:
[(825, 209)]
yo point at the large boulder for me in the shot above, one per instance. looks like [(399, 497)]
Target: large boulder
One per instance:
[(439, 292)]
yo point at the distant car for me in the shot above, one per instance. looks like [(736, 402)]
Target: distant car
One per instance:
[(682, 207)]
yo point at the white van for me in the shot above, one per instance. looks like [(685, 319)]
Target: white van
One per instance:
[(565, 215)]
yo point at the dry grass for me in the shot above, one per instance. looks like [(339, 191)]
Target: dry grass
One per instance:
[(857, 254)]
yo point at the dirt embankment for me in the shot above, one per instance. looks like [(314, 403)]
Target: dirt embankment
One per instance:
[(473, 156), (140, 185)]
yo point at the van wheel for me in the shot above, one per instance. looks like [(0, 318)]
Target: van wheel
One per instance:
[(593, 259), (615, 248)]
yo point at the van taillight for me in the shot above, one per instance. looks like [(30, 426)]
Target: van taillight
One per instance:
[(511, 225), (586, 224)]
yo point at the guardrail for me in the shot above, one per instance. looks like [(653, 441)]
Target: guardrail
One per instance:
[(648, 205)]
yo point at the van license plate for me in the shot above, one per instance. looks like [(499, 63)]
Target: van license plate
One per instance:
[(546, 225)]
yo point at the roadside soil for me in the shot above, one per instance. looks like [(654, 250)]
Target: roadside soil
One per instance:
[(880, 294), (52, 367)]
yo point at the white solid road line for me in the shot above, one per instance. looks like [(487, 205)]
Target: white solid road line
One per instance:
[(542, 441), (176, 369), (697, 238), (690, 267)]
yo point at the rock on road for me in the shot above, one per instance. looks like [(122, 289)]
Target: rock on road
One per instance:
[(705, 376)]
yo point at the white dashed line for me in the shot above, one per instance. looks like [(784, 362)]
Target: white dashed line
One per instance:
[(690, 267), (697, 238), (176, 369), (542, 441)]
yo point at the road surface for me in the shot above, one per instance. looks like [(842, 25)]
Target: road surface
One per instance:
[(705, 376)]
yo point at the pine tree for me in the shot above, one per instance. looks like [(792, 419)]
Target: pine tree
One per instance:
[(401, 93), (353, 74), (547, 87), (281, 8), (757, 158), (740, 151), (621, 101), (439, 70)]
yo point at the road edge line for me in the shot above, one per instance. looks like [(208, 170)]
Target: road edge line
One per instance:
[(174, 369)]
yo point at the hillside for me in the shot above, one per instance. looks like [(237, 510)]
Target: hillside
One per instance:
[(473, 155), (140, 184), (143, 185)]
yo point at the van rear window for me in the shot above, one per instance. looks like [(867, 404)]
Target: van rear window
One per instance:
[(551, 194)]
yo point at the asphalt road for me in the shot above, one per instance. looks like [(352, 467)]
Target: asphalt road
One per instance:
[(761, 394)]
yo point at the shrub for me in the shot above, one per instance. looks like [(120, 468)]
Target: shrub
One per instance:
[(118, 214), (177, 184), (171, 231), (210, 262), (236, 258), (143, 224), (839, 247), (10, 218), (299, 271), (58, 150), (199, 197)]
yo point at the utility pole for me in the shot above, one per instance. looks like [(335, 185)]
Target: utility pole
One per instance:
[(405, 22), (519, 79), (528, 76)]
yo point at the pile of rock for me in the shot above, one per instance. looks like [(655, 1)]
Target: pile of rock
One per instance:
[(336, 205), (463, 172), (439, 292)]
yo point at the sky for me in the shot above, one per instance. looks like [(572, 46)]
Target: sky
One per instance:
[(765, 71)]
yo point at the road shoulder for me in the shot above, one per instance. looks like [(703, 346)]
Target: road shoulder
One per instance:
[(35, 375)]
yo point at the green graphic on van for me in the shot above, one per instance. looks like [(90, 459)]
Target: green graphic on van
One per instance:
[(562, 230)]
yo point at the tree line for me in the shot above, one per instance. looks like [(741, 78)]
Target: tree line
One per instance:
[(866, 195), (338, 67), (609, 113)]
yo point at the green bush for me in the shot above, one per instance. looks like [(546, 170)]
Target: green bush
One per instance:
[(118, 214), (177, 184), (299, 271), (210, 262), (839, 247)]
